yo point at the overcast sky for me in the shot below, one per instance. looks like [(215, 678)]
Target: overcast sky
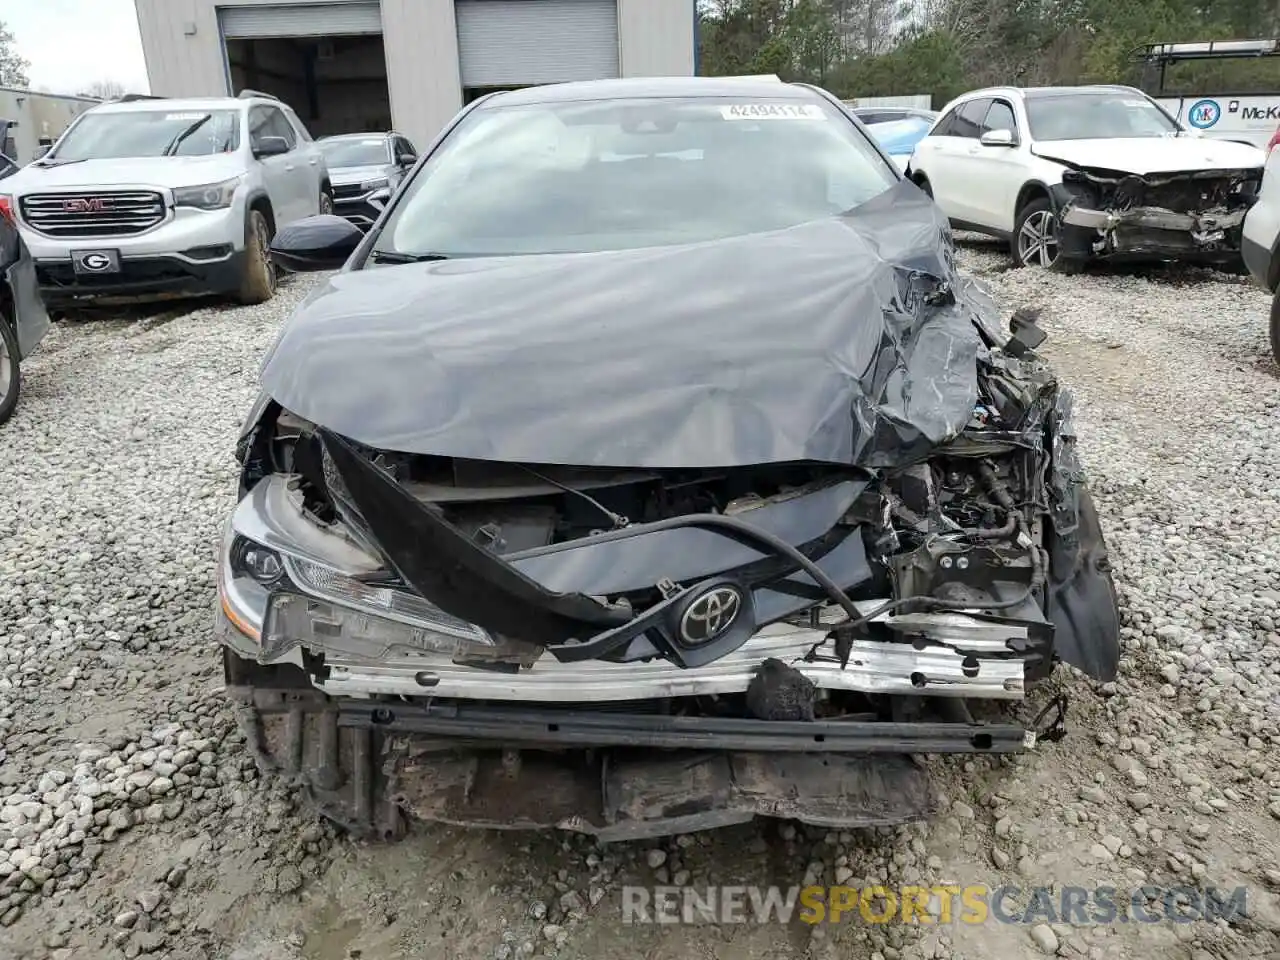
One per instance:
[(72, 43)]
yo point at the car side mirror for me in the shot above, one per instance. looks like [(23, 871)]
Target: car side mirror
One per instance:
[(999, 138), (406, 159), (322, 242), (270, 147)]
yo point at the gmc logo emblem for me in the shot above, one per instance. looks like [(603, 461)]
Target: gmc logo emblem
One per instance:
[(84, 205)]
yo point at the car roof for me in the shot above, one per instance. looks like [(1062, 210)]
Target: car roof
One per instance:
[(639, 87), (359, 136), (183, 104), (1029, 93)]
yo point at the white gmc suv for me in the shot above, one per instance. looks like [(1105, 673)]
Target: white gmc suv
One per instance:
[(151, 197)]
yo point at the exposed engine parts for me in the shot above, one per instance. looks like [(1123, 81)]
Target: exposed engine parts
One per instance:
[(1175, 214)]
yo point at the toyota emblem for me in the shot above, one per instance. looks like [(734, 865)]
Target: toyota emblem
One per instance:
[(710, 615)]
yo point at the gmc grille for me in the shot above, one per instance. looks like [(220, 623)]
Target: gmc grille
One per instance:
[(97, 214), (348, 191)]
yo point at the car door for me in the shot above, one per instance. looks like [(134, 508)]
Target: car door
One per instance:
[(994, 174), (942, 154), (276, 171), (310, 157), (302, 185)]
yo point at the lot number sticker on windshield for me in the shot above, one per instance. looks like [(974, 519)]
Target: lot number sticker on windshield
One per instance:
[(184, 116), (772, 111)]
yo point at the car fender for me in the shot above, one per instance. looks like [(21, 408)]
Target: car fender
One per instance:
[(30, 319)]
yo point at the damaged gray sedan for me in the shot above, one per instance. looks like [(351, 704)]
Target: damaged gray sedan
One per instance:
[(647, 468)]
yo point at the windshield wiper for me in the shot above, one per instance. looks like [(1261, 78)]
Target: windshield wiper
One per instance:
[(390, 256), (55, 162), (177, 141)]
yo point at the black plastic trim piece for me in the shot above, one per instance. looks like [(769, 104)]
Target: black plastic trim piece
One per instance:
[(521, 725)]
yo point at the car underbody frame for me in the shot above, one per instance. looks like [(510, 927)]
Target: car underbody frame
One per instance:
[(618, 774)]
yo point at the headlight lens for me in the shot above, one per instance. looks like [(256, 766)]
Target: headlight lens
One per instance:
[(256, 561), (211, 196), (374, 184)]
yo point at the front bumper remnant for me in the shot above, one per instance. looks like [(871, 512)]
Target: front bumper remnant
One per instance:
[(1154, 232), (617, 775)]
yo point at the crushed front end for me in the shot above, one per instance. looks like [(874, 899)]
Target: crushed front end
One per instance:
[(1195, 216), (742, 552)]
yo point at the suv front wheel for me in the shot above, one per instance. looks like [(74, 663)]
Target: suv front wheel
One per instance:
[(1035, 239), (258, 283)]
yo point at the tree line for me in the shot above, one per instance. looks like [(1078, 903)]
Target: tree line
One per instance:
[(858, 48)]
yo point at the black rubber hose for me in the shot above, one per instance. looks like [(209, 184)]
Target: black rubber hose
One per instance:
[(746, 532)]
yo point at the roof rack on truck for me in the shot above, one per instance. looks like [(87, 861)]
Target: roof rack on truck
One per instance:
[(1204, 50), (1241, 104)]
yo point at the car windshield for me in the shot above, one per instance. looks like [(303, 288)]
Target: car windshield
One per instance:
[(354, 151), (1087, 116), (621, 174), (150, 133)]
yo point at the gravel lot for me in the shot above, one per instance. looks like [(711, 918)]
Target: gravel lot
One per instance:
[(132, 821)]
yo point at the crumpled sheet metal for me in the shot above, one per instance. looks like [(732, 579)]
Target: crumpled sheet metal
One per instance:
[(847, 340)]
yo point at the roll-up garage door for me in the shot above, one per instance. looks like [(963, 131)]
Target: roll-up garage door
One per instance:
[(301, 20), (514, 42)]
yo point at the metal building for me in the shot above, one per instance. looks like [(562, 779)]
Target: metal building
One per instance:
[(29, 118), (361, 65)]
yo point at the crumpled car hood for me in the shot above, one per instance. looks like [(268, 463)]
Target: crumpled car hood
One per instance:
[(839, 341), (1146, 155)]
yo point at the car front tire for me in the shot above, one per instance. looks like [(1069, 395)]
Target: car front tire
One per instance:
[(1035, 239), (258, 284), (326, 202), (10, 370)]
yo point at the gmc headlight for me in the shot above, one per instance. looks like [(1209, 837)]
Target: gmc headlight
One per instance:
[(211, 196), (373, 184)]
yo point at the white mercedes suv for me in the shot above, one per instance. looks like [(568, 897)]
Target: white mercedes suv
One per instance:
[(1070, 174), (155, 197)]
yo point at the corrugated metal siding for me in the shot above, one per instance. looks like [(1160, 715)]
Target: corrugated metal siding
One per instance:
[(421, 41), (301, 20), (658, 38), (507, 42), (182, 64)]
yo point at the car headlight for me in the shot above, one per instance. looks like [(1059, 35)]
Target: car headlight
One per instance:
[(374, 184), (282, 601), (210, 196)]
